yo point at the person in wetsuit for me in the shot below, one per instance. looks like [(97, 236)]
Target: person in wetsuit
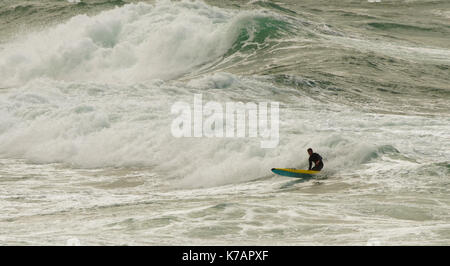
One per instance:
[(317, 159)]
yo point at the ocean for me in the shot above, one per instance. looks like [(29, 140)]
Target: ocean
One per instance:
[(88, 154)]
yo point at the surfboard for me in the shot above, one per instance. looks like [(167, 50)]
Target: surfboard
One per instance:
[(299, 173)]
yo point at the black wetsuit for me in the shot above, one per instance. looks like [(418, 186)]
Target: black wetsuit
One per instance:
[(314, 158)]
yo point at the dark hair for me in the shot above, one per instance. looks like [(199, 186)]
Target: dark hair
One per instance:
[(309, 149)]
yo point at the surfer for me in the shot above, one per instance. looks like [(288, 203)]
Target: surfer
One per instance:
[(317, 159)]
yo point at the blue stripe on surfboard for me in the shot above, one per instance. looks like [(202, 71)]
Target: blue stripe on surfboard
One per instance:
[(289, 173)]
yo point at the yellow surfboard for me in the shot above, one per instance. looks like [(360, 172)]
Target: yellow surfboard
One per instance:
[(294, 172)]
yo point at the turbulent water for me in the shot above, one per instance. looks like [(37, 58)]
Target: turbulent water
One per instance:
[(87, 155)]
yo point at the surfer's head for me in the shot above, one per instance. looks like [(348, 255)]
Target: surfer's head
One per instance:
[(310, 151)]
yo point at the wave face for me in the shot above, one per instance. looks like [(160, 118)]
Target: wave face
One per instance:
[(85, 121), (133, 43)]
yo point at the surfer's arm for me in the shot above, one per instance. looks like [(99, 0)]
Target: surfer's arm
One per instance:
[(310, 164)]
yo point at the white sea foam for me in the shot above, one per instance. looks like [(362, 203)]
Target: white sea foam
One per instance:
[(128, 44), (85, 143)]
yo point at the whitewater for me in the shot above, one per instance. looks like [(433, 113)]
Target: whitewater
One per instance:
[(87, 155)]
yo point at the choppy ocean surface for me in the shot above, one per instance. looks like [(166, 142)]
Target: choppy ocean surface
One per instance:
[(86, 150)]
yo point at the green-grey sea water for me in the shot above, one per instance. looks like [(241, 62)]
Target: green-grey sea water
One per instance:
[(87, 155)]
